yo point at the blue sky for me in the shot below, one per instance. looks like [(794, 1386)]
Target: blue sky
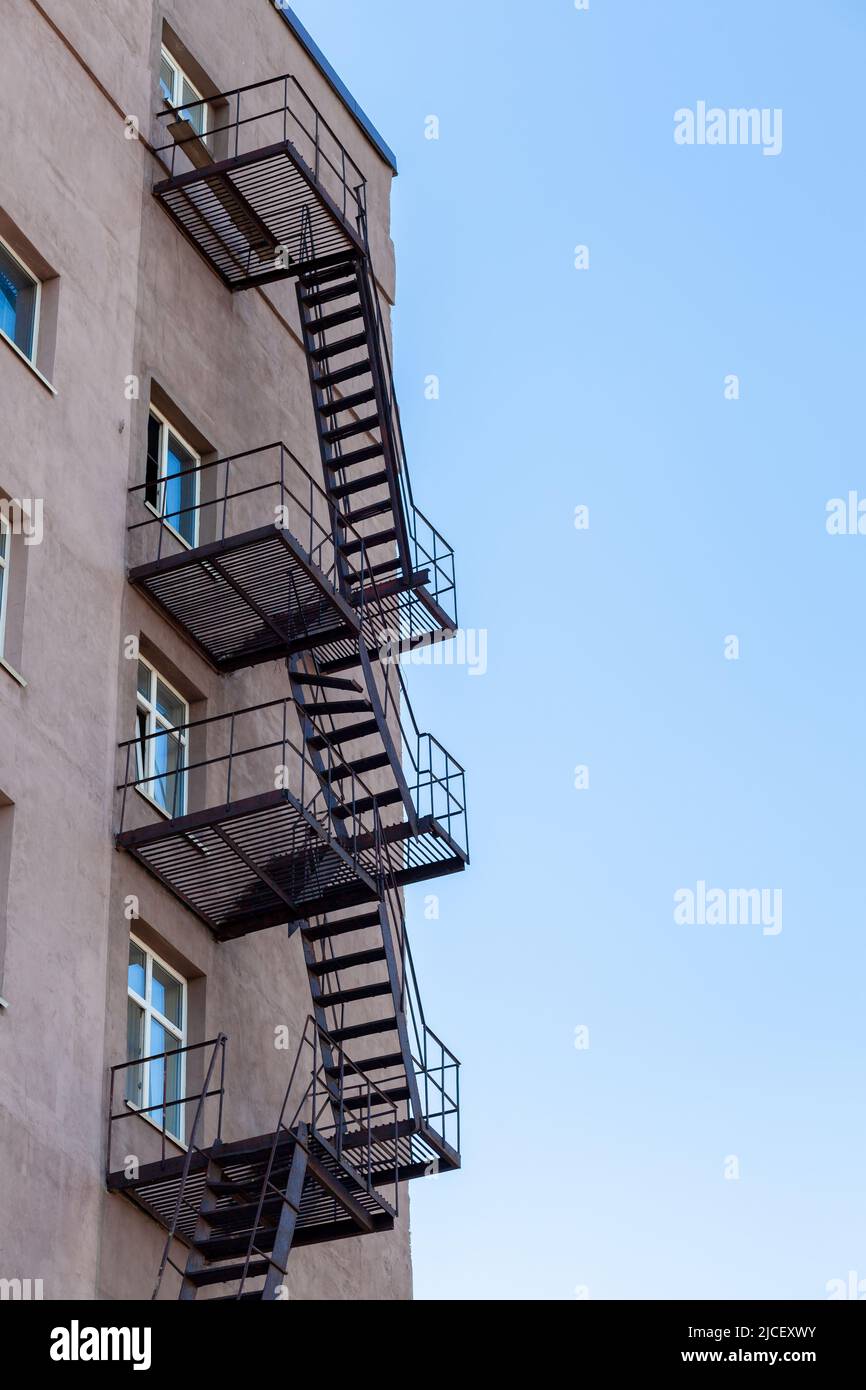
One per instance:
[(604, 1169)]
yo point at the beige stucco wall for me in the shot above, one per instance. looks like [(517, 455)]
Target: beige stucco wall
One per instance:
[(134, 299)]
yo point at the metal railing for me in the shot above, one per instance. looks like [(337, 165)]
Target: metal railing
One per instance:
[(429, 549), (272, 761), (255, 117), (329, 1113), (193, 1146)]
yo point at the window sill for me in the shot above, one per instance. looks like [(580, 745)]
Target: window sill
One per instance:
[(169, 1138), (13, 673), (26, 360)]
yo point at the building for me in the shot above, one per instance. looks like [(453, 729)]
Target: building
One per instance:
[(216, 1077)]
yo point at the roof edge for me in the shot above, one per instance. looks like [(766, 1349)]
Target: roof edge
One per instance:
[(336, 82)]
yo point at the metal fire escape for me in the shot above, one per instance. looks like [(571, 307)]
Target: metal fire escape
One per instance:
[(337, 579)]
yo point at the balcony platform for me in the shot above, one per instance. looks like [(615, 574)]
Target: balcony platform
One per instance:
[(253, 863), (335, 1203), (250, 598), (267, 191)]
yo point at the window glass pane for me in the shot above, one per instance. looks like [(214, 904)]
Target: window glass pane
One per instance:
[(168, 788), (194, 114), (134, 1090), (164, 1079), (166, 79), (151, 477), (144, 678), (167, 994), (137, 973), (4, 540), (179, 490), (169, 705), (17, 303)]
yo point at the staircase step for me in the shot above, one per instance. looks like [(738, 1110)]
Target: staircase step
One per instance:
[(224, 1246), (359, 767), (242, 1215), (227, 1274), (328, 682), (336, 707), (363, 426), (328, 379), (341, 461), (368, 542), (365, 513), (314, 298), (348, 402), (363, 804), (363, 1030), (368, 1064), (328, 321), (328, 967), (352, 996), (361, 922), (360, 1102), (359, 485), (332, 272), (321, 354), (337, 736), (384, 566)]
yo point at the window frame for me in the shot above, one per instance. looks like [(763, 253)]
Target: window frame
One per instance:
[(146, 1004), (31, 275), (166, 429), (155, 718), (5, 566), (181, 76)]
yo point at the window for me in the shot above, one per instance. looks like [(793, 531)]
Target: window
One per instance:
[(179, 92), (172, 478), (161, 741), (155, 1023), (19, 303), (5, 551)]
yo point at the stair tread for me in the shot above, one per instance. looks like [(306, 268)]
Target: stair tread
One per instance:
[(347, 402), (368, 1064), (354, 485), (362, 922), (312, 299), (227, 1274), (348, 344), (398, 1093), (341, 461), (368, 542), (328, 682), (361, 1030), (361, 765), (342, 374), (328, 321), (365, 513), (363, 425), (361, 706), (334, 737), (335, 963), (352, 996), (362, 804)]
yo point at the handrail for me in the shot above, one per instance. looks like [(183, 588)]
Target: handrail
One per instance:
[(349, 177)]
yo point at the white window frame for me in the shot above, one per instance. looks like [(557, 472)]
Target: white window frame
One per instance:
[(5, 557), (181, 76), (157, 723), (150, 1013), (31, 274), (166, 428)]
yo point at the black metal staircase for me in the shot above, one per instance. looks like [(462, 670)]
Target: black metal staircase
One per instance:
[(337, 579)]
